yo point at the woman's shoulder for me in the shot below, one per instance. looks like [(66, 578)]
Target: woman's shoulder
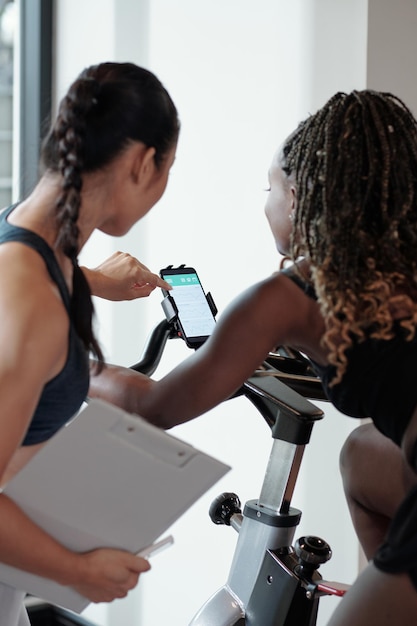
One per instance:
[(300, 274), (283, 312)]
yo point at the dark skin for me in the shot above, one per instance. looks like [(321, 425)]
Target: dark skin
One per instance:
[(376, 478)]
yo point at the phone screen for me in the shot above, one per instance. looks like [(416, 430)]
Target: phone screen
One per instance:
[(194, 314)]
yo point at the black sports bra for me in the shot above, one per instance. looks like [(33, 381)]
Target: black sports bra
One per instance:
[(380, 381), (63, 395)]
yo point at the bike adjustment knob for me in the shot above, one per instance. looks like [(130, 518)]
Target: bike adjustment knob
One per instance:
[(312, 552), (223, 507)]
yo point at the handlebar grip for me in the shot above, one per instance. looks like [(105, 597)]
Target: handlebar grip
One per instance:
[(154, 348)]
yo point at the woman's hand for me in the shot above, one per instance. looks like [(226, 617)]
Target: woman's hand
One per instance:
[(122, 277), (106, 574)]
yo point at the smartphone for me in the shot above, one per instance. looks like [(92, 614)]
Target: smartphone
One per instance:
[(196, 320)]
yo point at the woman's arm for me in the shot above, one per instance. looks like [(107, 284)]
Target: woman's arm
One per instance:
[(122, 277), (100, 575), (34, 340), (271, 313)]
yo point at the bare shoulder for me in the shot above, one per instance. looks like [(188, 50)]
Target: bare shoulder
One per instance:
[(288, 314), (23, 268), (33, 315)]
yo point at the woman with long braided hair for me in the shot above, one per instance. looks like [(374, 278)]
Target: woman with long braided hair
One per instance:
[(106, 162), (342, 205)]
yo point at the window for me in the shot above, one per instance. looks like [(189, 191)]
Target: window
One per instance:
[(25, 92), (7, 30)]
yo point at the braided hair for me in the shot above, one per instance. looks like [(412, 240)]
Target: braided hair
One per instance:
[(107, 107), (355, 168)]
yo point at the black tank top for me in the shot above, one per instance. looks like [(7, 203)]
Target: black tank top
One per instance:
[(380, 381), (63, 395)]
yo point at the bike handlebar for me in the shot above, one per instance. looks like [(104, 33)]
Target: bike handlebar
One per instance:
[(154, 348), (278, 390)]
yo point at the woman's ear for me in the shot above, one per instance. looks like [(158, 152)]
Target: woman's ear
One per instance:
[(293, 192), (143, 164)]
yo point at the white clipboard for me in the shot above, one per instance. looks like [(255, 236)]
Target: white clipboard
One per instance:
[(111, 479)]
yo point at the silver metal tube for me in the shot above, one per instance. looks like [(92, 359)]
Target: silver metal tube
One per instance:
[(281, 475)]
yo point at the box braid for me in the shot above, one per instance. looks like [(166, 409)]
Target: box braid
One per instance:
[(109, 106), (355, 168)]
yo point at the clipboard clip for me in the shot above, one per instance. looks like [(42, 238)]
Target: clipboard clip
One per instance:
[(145, 440)]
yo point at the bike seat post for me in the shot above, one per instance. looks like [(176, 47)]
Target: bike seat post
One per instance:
[(281, 476), (291, 418)]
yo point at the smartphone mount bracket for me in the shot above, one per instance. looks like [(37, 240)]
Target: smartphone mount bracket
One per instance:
[(169, 307)]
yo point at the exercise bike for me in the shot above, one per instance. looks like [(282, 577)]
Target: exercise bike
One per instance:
[(272, 581)]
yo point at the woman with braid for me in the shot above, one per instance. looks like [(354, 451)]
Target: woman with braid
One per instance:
[(106, 163), (343, 205)]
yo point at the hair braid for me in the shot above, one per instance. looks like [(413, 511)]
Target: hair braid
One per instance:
[(70, 133), (355, 166)]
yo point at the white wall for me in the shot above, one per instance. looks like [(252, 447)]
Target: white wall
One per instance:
[(392, 49), (242, 75)]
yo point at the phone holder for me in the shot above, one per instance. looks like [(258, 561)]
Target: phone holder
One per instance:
[(170, 308), (171, 311)]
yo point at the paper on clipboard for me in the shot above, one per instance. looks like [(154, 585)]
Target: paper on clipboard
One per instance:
[(106, 479)]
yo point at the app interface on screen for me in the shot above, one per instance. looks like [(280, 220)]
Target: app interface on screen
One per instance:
[(194, 312)]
